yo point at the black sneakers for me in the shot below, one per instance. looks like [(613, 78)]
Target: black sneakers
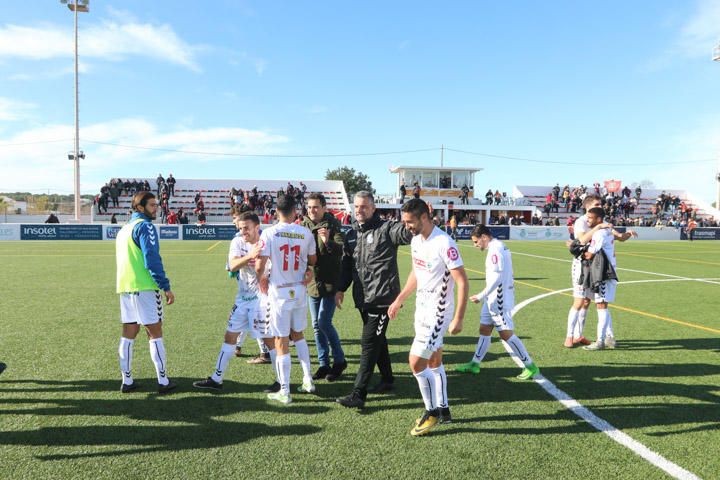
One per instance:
[(321, 372), (208, 384), (351, 401), (125, 388), (165, 389), (336, 371), (238, 351), (274, 388)]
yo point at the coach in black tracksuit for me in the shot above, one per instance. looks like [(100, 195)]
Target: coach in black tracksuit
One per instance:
[(369, 262)]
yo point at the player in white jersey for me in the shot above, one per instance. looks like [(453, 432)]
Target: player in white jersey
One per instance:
[(437, 267), (291, 250), (499, 298), (247, 314), (578, 311), (602, 243)]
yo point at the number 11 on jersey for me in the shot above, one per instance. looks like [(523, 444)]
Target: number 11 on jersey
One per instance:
[(286, 253)]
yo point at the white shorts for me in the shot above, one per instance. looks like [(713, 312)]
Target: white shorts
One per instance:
[(288, 310), (501, 319), (431, 322), (245, 316), (575, 273), (145, 308), (606, 294)]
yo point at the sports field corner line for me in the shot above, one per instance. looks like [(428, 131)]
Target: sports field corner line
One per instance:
[(596, 422), (214, 245)]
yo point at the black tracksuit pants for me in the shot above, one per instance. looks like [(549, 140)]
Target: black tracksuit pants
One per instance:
[(374, 349)]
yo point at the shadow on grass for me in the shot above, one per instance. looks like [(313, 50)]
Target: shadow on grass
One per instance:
[(199, 429), (710, 344)]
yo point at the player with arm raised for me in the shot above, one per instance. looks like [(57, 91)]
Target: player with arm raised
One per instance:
[(291, 250)]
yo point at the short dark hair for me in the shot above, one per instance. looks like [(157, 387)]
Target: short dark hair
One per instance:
[(590, 198), (250, 216), (140, 199), (319, 197), (480, 230), (416, 207), (598, 212), (286, 205)]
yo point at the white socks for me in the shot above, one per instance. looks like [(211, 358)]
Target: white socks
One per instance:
[(226, 353), (283, 373), (159, 358), (303, 353), (441, 398), (604, 319), (482, 347), (518, 349), (263, 347), (125, 350), (580, 325), (572, 322), (426, 382)]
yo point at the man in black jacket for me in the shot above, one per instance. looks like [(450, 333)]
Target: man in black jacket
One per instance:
[(369, 263)]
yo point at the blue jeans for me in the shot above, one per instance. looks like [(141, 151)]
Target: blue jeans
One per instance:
[(326, 337)]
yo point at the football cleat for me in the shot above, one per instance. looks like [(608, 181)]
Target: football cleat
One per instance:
[(470, 367), (307, 386), (127, 388), (610, 342), (445, 416), (529, 372), (165, 389), (597, 345), (208, 384), (279, 397), (581, 341), (424, 424)]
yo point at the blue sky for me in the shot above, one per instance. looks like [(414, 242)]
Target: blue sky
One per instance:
[(612, 82)]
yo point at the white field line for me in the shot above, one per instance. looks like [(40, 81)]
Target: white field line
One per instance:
[(703, 280), (596, 422)]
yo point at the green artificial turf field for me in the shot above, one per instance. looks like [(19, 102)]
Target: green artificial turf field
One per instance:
[(62, 415)]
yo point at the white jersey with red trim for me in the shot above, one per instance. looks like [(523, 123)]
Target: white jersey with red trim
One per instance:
[(288, 246), (433, 258)]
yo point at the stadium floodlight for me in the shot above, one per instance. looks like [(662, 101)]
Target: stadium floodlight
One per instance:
[(77, 6)]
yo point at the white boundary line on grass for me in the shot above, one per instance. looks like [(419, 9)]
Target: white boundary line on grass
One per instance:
[(598, 423)]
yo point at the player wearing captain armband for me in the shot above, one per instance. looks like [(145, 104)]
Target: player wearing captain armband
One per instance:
[(499, 298)]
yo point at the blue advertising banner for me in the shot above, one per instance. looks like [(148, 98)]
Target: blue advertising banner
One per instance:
[(702, 233), (209, 232), (61, 232), (111, 232), (170, 232)]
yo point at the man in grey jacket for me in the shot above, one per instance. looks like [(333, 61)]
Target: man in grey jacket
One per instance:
[(369, 263)]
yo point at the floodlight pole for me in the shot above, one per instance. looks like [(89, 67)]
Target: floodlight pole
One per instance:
[(77, 122), (716, 58)]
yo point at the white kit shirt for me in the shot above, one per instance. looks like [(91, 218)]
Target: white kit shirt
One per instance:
[(604, 240), (288, 246), (498, 263), (581, 226), (433, 258), (247, 280)]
